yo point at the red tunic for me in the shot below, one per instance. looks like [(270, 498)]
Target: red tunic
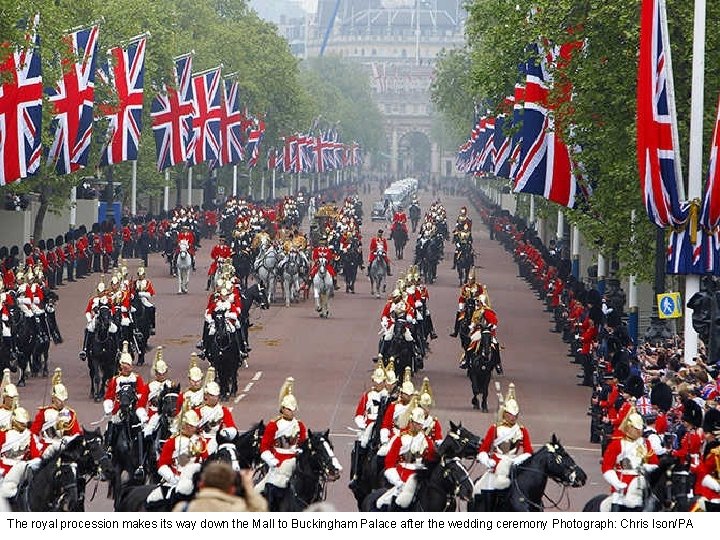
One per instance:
[(375, 243), (218, 251), (329, 256), (141, 390), (268, 440), (395, 459)]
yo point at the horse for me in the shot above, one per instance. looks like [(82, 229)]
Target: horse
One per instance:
[(480, 365), (428, 252), (183, 265), (41, 350), (141, 316), (315, 466), (414, 212), (665, 488), (243, 450), (170, 240), (25, 340), (378, 271), (291, 277), (124, 440), (529, 479), (399, 235), (243, 262), (400, 349), (102, 351), (257, 294), (350, 259), (464, 262), (265, 266), (166, 409), (224, 356), (323, 288)]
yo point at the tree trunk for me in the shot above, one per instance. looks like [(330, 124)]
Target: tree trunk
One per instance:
[(40, 218)]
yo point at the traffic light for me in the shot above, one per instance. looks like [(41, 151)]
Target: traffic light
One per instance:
[(701, 304)]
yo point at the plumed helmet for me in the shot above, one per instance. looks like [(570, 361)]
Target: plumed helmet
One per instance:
[(287, 398), (407, 386), (396, 293), (390, 376), (20, 415), (418, 415), (405, 416), (58, 388), (141, 271), (101, 287), (7, 388), (210, 375), (191, 418), (426, 394), (125, 356), (212, 389), (510, 404), (711, 422), (380, 232), (692, 413), (159, 365), (378, 375), (634, 386), (633, 419), (661, 396), (194, 373)]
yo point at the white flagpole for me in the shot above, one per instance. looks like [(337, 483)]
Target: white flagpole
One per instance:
[(235, 180), (273, 184), (133, 189), (692, 282), (262, 186), (166, 191), (73, 207), (189, 186)]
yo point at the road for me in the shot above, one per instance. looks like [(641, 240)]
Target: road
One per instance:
[(331, 359)]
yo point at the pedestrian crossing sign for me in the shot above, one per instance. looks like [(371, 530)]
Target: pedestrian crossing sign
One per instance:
[(669, 305)]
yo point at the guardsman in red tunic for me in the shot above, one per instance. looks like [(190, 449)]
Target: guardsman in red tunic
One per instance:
[(279, 445), (506, 443), (9, 397), (143, 287), (431, 425), (411, 451), (624, 463), (379, 246), (214, 417), (126, 377), (17, 451), (707, 475), (188, 236), (690, 451), (328, 257), (156, 387), (220, 253), (55, 422)]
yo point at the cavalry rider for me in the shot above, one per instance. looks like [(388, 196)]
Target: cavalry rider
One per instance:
[(366, 414), (431, 425), (7, 301), (394, 309), (483, 318), (707, 483), (145, 290), (422, 296), (121, 299), (399, 220), (463, 219), (18, 450), (279, 445), (214, 417), (328, 255), (55, 422), (391, 422), (378, 244), (155, 388), (26, 300), (470, 290), (101, 298), (227, 305), (506, 443), (624, 463), (180, 458), (220, 253), (188, 236), (9, 397), (126, 377), (462, 237), (411, 451), (194, 395)]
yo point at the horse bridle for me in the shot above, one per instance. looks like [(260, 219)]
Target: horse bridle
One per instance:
[(554, 503), (320, 492)]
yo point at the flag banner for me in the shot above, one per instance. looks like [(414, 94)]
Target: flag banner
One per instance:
[(72, 99), (518, 107), (206, 142), (710, 213), (233, 150), (502, 142), (255, 135), (184, 87), (21, 110), (127, 77)]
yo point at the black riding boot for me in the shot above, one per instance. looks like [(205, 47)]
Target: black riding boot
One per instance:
[(454, 261), (240, 345), (54, 329), (456, 329), (85, 346), (151, 316), (205, 340), (10, 345), (430, 326)]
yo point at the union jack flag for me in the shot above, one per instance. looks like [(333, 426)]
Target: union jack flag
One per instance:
[(487, 153), (545, 167), (706, 250), (502, 141), (290, 154), (516, 152), (73, 100), (231, 125), (20, 111), (252, 148), (658, 158), (127, 76), (184, 86), (168, 127), (206, 144)]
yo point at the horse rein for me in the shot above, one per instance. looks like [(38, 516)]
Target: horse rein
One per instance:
[(554, 503)]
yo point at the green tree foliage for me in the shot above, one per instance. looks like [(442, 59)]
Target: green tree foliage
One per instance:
[(602, 111)]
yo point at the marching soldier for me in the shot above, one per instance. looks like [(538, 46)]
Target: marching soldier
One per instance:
[(279, 446), (506, 443)]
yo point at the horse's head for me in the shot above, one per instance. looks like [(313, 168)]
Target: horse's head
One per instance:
[(459, 442), (560, 466), (127, 398), (167, 401), (244, 447), (63, 488), (318, 450), (455, 476), (94, 460)]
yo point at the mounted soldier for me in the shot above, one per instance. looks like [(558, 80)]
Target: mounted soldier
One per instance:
[(188, 236), (220, 253), (431, 425), (56, 421), (378, 244), (18, 451), (9, 398), (99, 299), (194, 395), (160, 383), (7, 302), (214, 417), (144, 289)]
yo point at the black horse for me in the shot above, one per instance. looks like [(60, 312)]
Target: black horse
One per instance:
[(465, 261), (224, 355), (427, 257), (243, 450), (256, 294), (242, 261), (529, 479), (315, 466), (166, 409), (398, 348), (102, 352), (169, 244), (25, 339), (481, 361), (142, 319), (414, 212), (125, 443), (350, 260), (399, 235)]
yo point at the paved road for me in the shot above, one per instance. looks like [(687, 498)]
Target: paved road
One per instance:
[(331, 359)]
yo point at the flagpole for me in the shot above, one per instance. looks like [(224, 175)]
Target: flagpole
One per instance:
[(73, 207), (633, 319), (576, 251), (133, 189), (235, 180), (262, 186), (560, 231), (250, 186), (166, 191), (273, 184), (692, 282), (189, 186), (532, 212)]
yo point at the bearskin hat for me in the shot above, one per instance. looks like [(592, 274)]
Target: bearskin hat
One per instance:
[(711, 422), (27, 249), (692, 413), (82, 229), (14, 251), (41, 245), (59, 240), (634, 386), (661, 396), (622, 371), (95, 228), (50, 243), (4, 252)]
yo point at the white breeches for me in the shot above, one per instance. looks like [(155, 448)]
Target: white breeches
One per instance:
[(277, 476), (13, 478), (91, 327), (495, 479), (183, 486), (632, 498), (364, 435), (403, 494), (151, 425), (388, 334)]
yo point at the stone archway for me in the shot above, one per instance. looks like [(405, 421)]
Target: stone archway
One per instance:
[(413, 154)]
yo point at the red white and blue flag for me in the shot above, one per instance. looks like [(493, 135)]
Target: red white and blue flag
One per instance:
[(72, 101), (516, 151), (708, 253), (501, 141), (206, 144), (254, 138), (169, 125), (186, 100), (21, 111), (233, 150), (127, 77)]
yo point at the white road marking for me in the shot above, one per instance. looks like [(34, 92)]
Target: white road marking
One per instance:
[(257, 376), (248, 386), (241, 396)]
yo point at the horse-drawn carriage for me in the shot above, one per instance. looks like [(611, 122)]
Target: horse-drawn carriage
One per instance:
[(324, 220)]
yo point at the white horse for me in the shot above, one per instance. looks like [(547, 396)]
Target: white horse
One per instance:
[(184, 265), (323, 288), (265, 266), (291, 276), (378, 273)]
